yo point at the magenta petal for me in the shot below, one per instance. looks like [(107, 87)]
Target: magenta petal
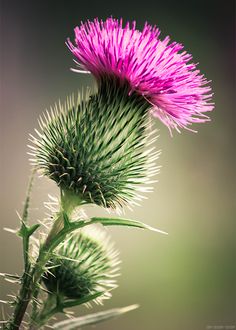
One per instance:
[(157, 69)]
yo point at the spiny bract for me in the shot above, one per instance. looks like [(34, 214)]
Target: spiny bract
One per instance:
[(95, 147), (83, 265)]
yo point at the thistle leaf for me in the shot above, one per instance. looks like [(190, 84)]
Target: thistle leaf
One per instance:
[(66, 220), (33, 228), (92, 318), (84, 300), (74, 225), (125, 222)]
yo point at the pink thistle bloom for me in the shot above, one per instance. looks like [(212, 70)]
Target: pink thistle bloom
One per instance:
[(157, 69)]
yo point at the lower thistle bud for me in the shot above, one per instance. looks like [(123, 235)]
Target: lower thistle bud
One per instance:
[(94, 148), (83, 265)]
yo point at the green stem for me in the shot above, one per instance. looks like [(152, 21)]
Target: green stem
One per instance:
[(30, 279), (25, 215), (30, 284), (44, 318), (21, 303), (24, 291), (35, 306), (49, 309)]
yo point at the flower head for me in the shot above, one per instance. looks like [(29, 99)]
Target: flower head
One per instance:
[(85, 264), (159, 70), (93, 147)]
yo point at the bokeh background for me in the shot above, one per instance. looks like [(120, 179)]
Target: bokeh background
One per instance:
[(184, 281)]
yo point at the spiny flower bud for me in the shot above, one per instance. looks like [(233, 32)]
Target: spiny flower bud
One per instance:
[(94, 147), (83, 265)]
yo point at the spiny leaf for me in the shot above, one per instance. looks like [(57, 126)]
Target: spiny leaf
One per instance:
[(57, 239), (91, 319), (125, 222), (84, 300)]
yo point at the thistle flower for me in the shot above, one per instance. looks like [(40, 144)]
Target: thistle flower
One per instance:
[(94, 147), (85, 264), (160, 71)]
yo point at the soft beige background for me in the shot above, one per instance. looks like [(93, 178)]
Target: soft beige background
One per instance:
[(185, 281)]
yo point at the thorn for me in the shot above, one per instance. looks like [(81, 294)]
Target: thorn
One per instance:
[(10, 230)]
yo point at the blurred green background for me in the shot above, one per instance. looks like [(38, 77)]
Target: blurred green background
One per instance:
[(184, 281)]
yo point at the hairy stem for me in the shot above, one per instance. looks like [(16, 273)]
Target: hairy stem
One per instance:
[(25, 215), (29, 285), (32, 276), (48, 310), (21, 303), (35, 307)]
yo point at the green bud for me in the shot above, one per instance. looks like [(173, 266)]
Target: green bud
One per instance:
[(94, 147), (83, 265)]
